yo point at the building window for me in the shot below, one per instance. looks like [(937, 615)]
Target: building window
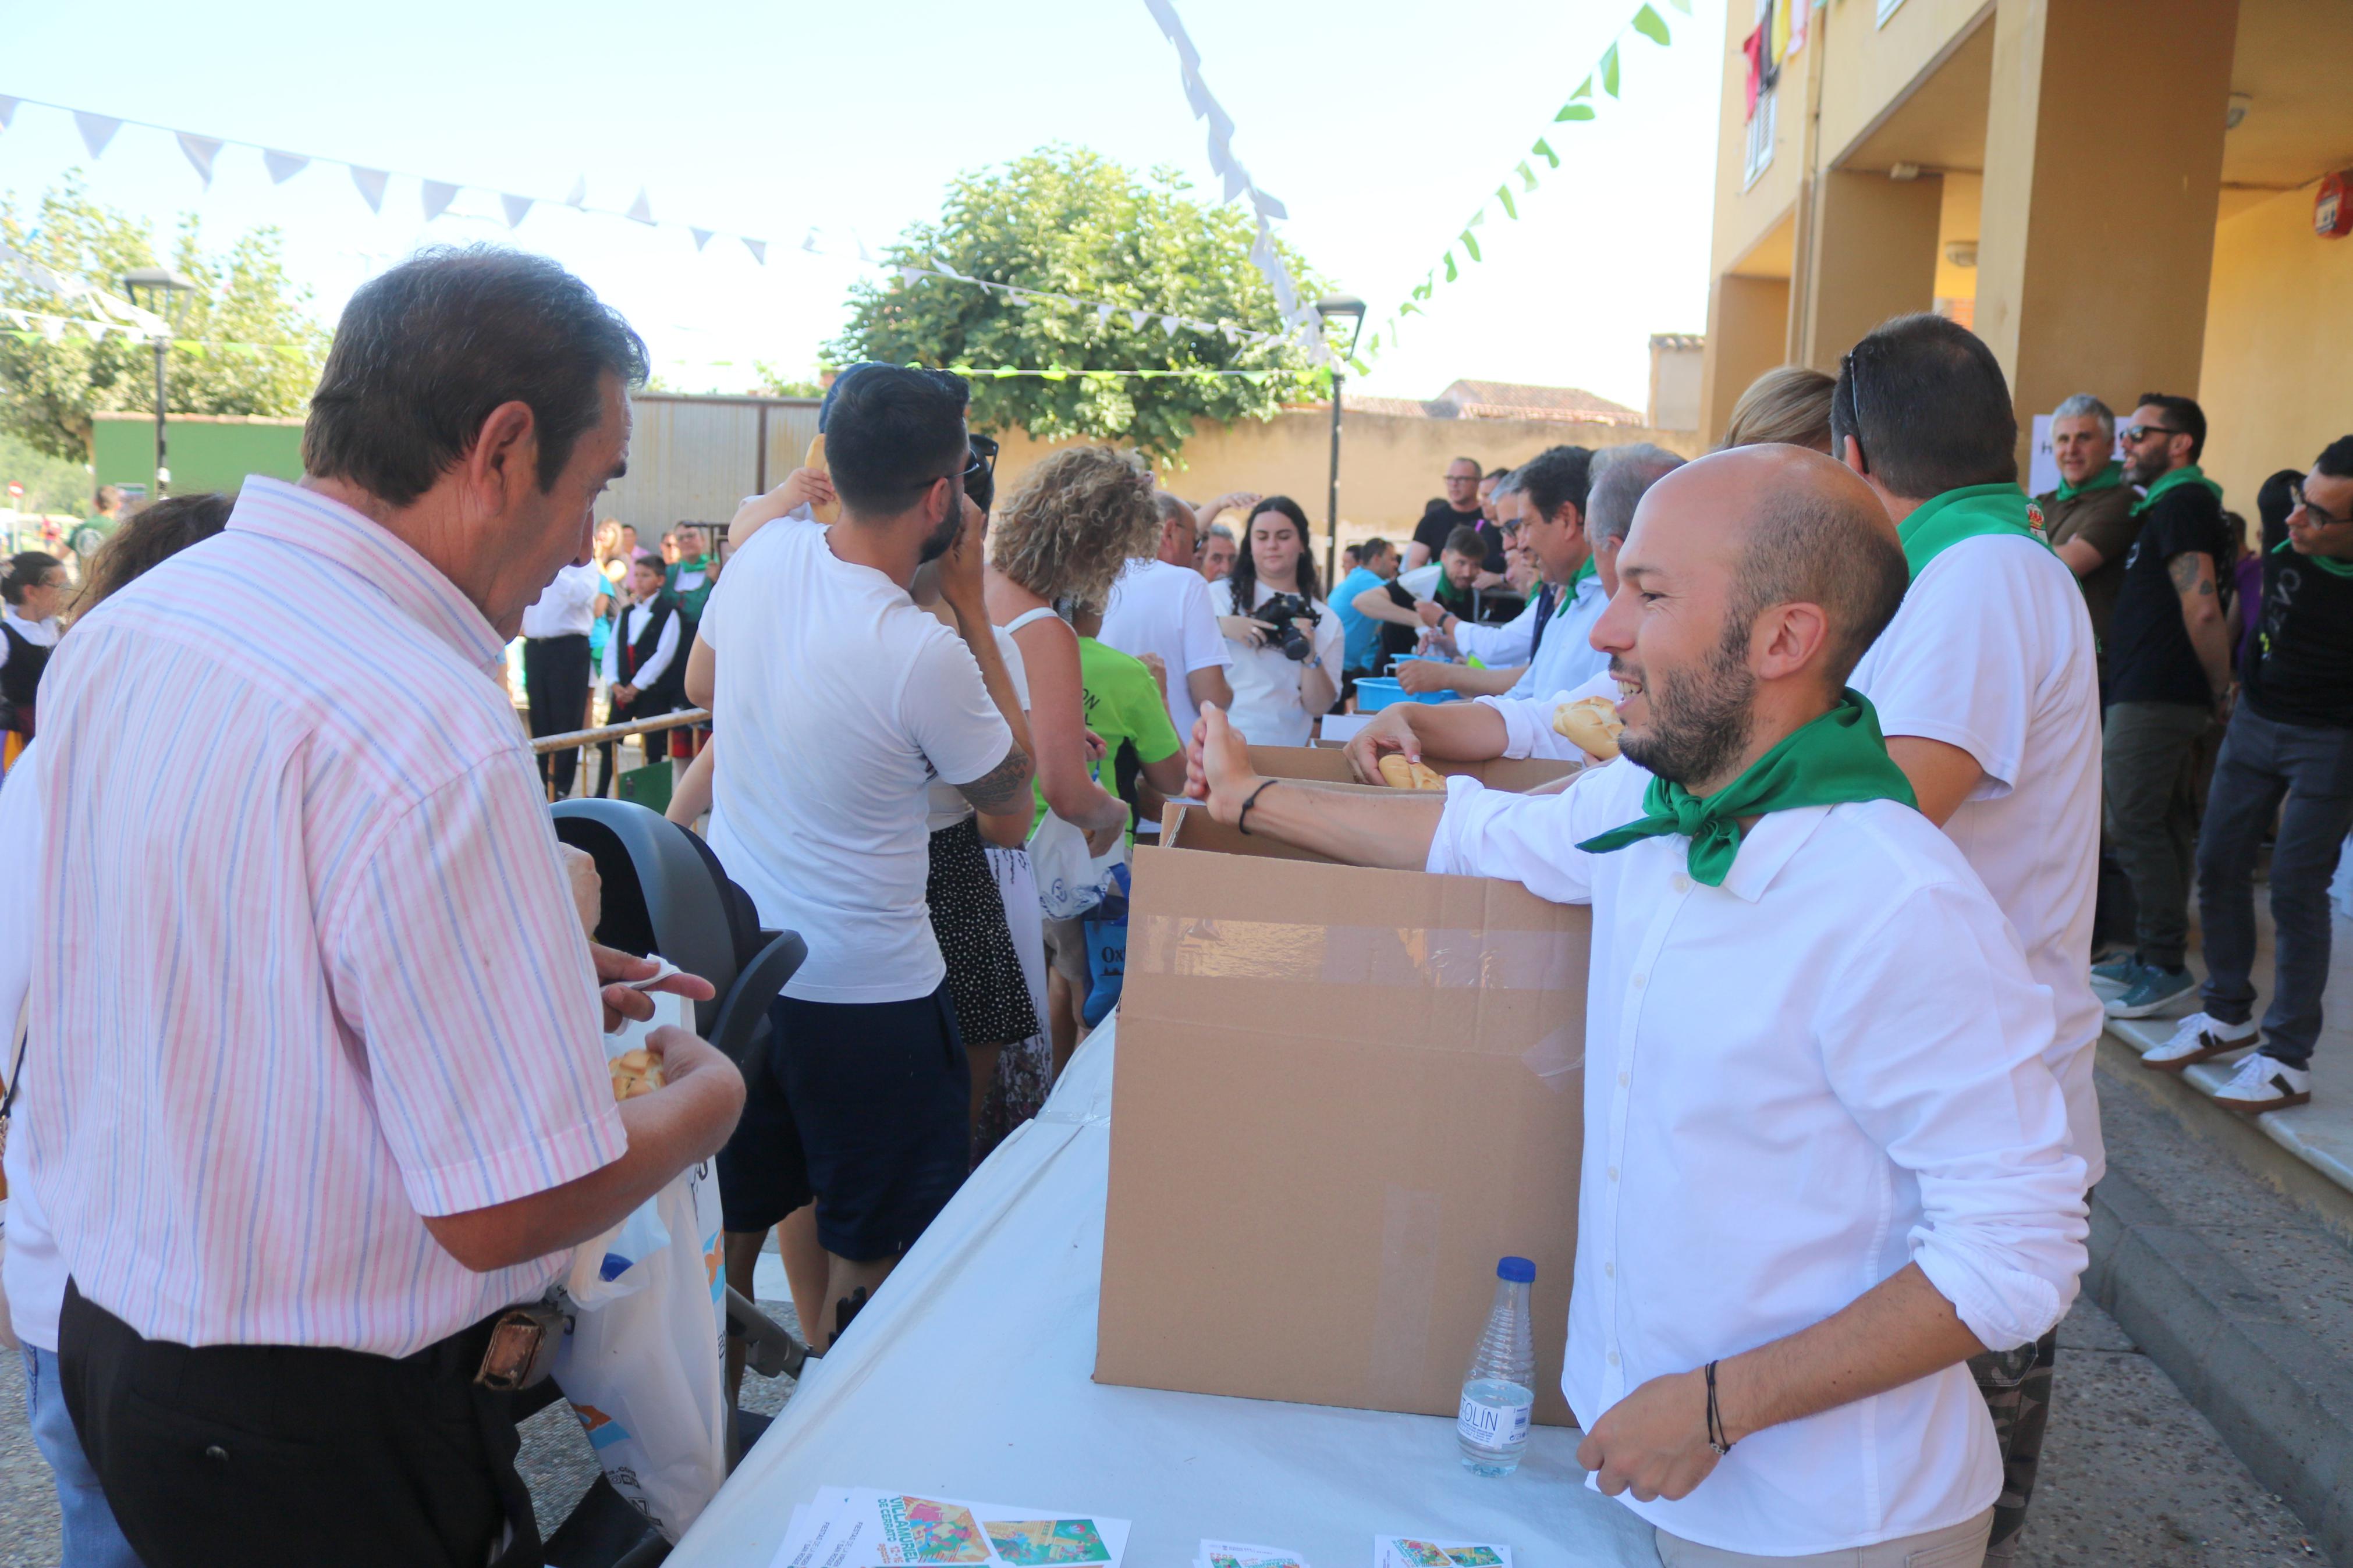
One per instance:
[(1759, 156)]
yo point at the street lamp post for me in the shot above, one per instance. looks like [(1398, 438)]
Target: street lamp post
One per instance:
[(1338, 306), (166, 297)]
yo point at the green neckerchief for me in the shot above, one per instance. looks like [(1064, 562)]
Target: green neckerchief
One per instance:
[(1939, 524), (1841, 756), (2188, 474), (2107, 478), (1590, 568), (2328, 563)]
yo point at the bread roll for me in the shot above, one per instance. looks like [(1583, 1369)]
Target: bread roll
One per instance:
[(634, 1072), (1399, 773), (1592, 723), (824, 512)]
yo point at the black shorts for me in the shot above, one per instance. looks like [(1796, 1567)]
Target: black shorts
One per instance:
[(867, 1107)]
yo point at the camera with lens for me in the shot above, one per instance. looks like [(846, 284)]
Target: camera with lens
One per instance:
[(1291, 615)]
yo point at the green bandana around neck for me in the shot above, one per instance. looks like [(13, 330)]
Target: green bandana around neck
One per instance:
[(1939, 524), (2107, 478), (1841, 756), (1590, 568), (2188, 474), (2328, 563)]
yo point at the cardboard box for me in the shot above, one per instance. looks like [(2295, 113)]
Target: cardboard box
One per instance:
[(1329, 765), (1340, 1096)]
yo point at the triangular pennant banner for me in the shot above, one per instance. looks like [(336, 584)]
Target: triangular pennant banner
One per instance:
[(1545, 148), (201, 151), (1102, 315), (808, 242), (1267, 206), (517, 209), (1168, 325), (1451, 273), (1511, 210), (1135, 319), (1471, 245), (759, 249), (371, 183), (284, 166), (908, 275), (580, 196), (1609, 72), (1651, 26), (53, 328), (702, 236), (1527, 175), (97, 330), (641, 210), (97, 129), (438, 195), (7, 111), (1574, 111), (1683, 6)]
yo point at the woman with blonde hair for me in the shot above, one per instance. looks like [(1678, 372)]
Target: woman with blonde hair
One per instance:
[(1790, 404)]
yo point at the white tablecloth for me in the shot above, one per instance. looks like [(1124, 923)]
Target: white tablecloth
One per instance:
[(970, 1376)]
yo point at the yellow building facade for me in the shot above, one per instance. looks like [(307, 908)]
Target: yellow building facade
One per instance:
[(2118, 197)]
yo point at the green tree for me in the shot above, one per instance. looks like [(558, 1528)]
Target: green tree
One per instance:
[(247, 345), (769, 381), (1069, 221)]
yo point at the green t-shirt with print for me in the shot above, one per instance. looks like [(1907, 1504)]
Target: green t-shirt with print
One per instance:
[(1124, 705)]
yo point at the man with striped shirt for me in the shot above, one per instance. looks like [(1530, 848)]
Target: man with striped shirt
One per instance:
[(323, 1090)]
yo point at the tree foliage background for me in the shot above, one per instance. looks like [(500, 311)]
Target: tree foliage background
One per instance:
[(249, 344), (1067, 219)]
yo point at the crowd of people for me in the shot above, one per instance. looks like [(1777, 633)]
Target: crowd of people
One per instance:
[(312, 1090)]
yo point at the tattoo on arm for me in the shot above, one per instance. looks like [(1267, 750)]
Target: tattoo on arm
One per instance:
[(2192, 573), (998, 787)]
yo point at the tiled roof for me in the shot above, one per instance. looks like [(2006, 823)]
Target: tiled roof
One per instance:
[(1514, 400)]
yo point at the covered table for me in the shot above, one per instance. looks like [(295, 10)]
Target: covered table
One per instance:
[(970, 1376)]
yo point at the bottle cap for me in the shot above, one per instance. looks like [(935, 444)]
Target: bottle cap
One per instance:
[(1518, 1271)]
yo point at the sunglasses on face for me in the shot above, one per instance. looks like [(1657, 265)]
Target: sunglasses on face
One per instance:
[(2135, 434), (2321, 517)]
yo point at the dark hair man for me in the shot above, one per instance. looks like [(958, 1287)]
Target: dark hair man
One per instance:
[(2089, 519), (1543, 500), (370, 1111), (1753, 827), (1459, 508), (1989, 695), (2169, 672), (2288, 754), (862, 1103)]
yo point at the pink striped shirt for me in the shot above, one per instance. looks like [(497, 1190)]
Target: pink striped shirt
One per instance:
[(306, 968)]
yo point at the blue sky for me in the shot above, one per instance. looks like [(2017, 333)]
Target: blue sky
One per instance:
[(1380, 123)]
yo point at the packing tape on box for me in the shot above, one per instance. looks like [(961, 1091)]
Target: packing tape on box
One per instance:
[(1418, 957)]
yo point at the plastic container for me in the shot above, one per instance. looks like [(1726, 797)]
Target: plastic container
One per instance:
[(1375, 693), (1499, 1391)]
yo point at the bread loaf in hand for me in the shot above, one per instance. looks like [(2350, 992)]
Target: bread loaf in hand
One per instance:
[(1399, 773), (1591, 723)]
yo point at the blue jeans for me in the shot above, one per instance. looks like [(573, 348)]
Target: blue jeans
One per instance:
[(92, 1539), (2304, 775)]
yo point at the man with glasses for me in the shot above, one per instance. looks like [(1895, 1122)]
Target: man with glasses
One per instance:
[(2169, 671), (1440, 518), (2288, 754)]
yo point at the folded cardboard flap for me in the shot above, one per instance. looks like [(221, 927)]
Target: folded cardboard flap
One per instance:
[(1329, 765), (1341, 1094)]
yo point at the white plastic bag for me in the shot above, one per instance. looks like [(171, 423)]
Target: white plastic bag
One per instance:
[(1070, 880), (643, 1365)]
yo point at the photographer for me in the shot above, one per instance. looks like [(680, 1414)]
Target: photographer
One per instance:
[(1287, 642)]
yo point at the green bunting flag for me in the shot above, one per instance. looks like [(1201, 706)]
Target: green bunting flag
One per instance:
[(1527, 176), (1550, 157), (1503, 194), (1609, 72), (1650, 25)]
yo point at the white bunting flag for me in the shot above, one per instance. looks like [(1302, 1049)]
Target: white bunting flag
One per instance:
[(1169, 324), (641, 210), (7, 111), (284, 166), (97, 330), (580, 196), (1267, 206), (759, 249), (1137, 319), (1232, 333), (201, 151), (97, 129), (517, 209), (1102, 315), (808, 243), (863, 254), (371, 183), (53, 328), (907, 276), (701, 237), (438, 195)]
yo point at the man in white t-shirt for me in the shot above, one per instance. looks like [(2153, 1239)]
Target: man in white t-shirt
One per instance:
[(1162, 607), (1987, 691), (842, 702)]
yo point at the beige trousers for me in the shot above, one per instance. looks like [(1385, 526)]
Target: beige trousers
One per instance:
[(1961, 1545)]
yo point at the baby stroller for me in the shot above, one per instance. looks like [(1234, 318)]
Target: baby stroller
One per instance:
[(664, 893)]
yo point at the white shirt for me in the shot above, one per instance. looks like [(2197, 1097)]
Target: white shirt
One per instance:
[(42, 633), (1267, 709), (1565, 656), (632, 626), (1158, 609), (839, 699), (1756, 1156), (32, 1273), (1992, 652), (305, 972), (568, 605), (947, 805)]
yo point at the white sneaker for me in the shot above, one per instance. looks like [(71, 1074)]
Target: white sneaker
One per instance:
[(2196, 1038), (2262, 1084)]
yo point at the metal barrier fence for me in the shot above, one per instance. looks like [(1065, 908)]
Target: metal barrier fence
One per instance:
[(581, 740)]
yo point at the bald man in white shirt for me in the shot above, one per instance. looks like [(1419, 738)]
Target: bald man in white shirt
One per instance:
[(1790, 1240)]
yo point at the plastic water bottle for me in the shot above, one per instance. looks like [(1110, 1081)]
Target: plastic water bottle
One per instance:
[(1499, 1390)]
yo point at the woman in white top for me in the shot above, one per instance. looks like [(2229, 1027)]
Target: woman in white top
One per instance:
[(1283, 682)]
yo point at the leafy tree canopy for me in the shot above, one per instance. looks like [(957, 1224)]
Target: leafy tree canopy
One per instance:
[(248, 344), (1067, 220)]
